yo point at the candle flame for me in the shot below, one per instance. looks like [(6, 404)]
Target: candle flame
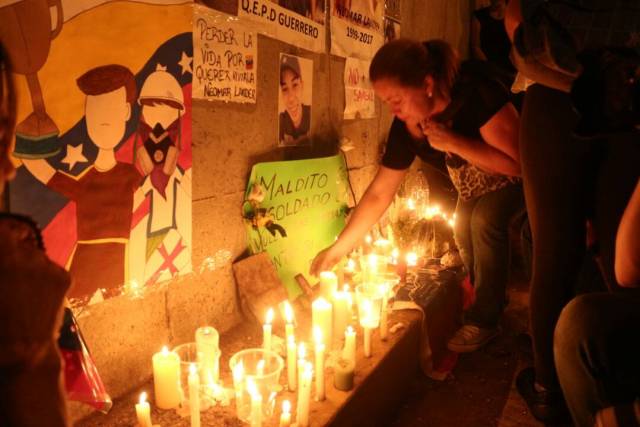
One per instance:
[(351, 265), (288, 312), (302, 352), (411, 204), (346, 288), (350, 330), (308, 371), (321, 303), (373, 260), (269, 316), (330, 275), (291, 340), (143, 397), (165, 350), (368, 239), (412, 259), (192, 369), (286, 407), (252, 388)]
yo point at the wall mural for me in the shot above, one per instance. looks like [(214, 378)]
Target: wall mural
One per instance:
[(104, 136)]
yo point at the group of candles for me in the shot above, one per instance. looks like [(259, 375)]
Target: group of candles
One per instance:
[(332, 313), (167, 381)]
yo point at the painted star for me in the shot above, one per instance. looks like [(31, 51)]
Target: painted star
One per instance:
[(74, 155), (185, 63)]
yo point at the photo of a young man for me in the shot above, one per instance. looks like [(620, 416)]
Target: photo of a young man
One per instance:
[(295, 100)]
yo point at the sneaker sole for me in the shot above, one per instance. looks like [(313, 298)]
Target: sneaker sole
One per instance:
[(469, 348)]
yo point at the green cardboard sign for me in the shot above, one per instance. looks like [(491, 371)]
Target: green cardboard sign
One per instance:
[(304, 202)]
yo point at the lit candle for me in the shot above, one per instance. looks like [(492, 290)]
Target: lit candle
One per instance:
[(319, 358), (291, 364), (302, 362), (365, 321), (412, 259), (384, 323), (349, 351), (304, 395), (194, 395), (207, 346), (321, 317), (260, 368), (255, 417), (328, 284), (266, 330), (238, 382), (166, 379), (383, 247), (285, 416), (288, 314), (395, 256), (341, 310), (143, 411)]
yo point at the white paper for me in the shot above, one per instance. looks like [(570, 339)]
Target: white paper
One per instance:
[(283, 24), (225, 58), (356, 30), (358, 93)]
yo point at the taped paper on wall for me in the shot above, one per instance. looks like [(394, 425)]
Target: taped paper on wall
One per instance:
[(297, 22), (358, 93), (225, 57)]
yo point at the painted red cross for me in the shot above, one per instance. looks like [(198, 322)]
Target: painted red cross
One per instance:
[(167, 264)]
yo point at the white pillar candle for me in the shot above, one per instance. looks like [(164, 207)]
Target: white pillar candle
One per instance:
[(304, 395), (266, 330), (367, 341), (288, 314), (143, 411), (208, 348), (328, 284), (285, 416), (302, 362), (292, 374), (349, 351), (166, 379), (194, 395), (319, 359), (384, 322), (341, 311), (322, 317), (255, 417)]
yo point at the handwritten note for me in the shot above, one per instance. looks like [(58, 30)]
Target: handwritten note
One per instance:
[(225, 55), (358, 93)]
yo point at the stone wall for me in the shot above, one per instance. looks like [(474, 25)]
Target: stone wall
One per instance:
[(228, 139)]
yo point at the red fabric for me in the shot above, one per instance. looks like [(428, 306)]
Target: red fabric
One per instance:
[(468, 293)]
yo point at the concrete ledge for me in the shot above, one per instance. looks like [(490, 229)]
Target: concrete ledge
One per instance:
[(380, 384)]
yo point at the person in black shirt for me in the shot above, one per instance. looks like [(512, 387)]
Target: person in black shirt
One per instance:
[(458, 117)]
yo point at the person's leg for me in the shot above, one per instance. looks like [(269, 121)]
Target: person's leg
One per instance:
[(596, 353), (490, 238), (553, 168), (462, 233)]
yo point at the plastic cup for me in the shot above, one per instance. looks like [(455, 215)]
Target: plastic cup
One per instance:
[(260, 369)]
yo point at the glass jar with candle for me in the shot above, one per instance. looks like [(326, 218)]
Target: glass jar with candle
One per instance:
[(256, 371), (369, 301), (189, 354)]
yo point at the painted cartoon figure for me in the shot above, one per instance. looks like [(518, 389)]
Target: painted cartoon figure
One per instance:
[(157, 149), (103, 192)]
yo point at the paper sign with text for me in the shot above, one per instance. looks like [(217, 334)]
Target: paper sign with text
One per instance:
[(302, 211), (358, 93), (303, 27), (225, 57), (356, 28)]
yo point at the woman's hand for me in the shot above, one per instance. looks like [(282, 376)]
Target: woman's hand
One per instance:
[(324, 260), (440, 136)]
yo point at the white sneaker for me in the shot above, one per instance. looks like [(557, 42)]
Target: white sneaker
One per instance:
[(470, 338)]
